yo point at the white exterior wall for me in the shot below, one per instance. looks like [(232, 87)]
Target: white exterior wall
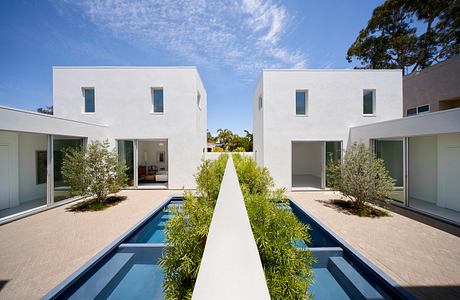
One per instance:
[(258, 123), (123, 103), (335, 104)]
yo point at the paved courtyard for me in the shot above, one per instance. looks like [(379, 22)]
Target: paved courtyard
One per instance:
[(421, 258), (38, 252)]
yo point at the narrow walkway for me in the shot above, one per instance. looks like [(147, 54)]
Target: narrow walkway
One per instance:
[(38, 252), (423, 259)]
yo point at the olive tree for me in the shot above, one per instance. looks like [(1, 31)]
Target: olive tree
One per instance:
[(361, 176), (93, 171)]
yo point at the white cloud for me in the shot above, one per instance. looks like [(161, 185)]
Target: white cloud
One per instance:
[(242, 34)]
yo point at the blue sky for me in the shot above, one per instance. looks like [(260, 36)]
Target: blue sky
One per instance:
[(229, 41)]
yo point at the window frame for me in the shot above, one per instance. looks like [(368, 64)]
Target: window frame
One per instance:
[(152, 100), (198, 100), (261, 99), (423, 112), (306, 102), (417, 108), (374, 102), (84, 89)]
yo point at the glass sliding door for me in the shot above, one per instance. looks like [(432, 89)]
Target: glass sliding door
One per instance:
[(126, 155), (60, 145), (333, 153), (392, 153), (23, 172)]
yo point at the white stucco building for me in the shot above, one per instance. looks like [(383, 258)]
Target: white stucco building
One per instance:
[(155, 117), (300, 116)]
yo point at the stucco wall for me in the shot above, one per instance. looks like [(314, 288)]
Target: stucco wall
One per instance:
[(423, 168), (335, 105), (429, 86), (124, 104), (448, 171)]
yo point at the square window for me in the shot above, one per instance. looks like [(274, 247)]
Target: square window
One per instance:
[(157, 100), (369, 102), (301, 103), (411, 111), (423, 109), (90, 105)]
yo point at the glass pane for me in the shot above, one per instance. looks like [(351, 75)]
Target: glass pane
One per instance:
[(60, 144), (300, 103), (412, 111), (333, 153), (423, 108), (126, 155), (158, 100), (23, 171), (391, 151), (368, 102), (89, 100)]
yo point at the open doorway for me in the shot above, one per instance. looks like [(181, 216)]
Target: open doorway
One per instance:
[(309, 161), (152, 163), (307, 165)]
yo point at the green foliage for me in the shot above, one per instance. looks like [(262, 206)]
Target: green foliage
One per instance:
[(239, 149), (232, 141), (93, 171), (361, 177), (187, 231), (391, 38), (287, 268), (217, 149)]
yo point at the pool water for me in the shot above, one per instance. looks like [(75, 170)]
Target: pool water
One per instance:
[(325, 287)]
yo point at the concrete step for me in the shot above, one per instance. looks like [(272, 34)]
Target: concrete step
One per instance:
[(354, 284)]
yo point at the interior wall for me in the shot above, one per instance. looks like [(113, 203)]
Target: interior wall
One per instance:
[(151, 148), (306, 158), (29, 144), (423, 168), (448, 171)]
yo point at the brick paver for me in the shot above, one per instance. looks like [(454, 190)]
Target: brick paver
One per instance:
[(38, 252), (421, 258)]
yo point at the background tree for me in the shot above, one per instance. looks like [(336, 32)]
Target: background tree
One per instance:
[(93, 171), (46, 110), (361, 177), (408, 34)]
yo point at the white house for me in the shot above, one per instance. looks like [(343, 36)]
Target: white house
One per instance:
[(303, 116), (155, 117)]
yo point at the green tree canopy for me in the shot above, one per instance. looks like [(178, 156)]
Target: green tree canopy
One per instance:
[(408, 34)]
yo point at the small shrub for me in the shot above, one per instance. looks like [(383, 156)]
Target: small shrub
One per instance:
[(239, 149), (217, 149), (93, 171), (95, 205), (361, 177)]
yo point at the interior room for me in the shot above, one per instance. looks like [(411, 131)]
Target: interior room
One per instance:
[(307, 165), (153, 163)]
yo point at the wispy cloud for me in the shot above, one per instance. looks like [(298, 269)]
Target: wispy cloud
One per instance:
[(245, 35)]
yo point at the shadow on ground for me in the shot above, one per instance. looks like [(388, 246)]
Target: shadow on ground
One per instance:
[(95, 205), (347, 207), (448, 292), (3, 283)]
